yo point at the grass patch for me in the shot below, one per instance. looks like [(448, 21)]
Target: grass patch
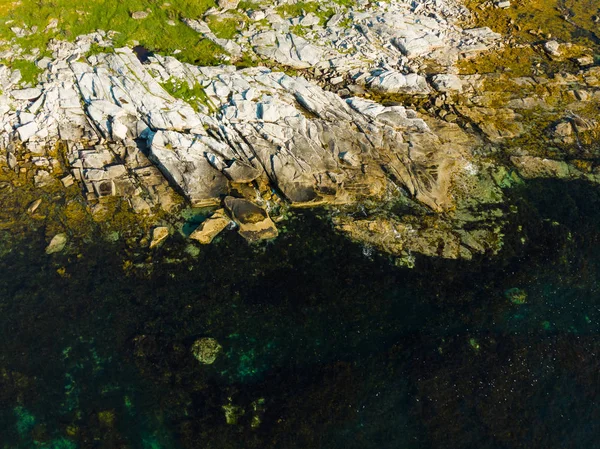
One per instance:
[(225, 28), (298, 30), (29, 71), (86, 16), (247, 60), (96, 49), (194, 95), (345, 3), (297, 9), (248, 5)]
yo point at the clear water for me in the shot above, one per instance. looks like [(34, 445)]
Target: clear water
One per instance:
[(323, 347)]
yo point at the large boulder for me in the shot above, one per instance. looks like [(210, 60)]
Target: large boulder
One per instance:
[(253, 221)]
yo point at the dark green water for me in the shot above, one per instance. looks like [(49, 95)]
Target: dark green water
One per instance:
[(323, 347)]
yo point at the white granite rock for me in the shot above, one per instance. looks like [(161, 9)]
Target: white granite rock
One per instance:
[(27, 131), (393, 82), (26, 94), (447, 83)]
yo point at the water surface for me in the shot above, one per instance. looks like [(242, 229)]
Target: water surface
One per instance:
[(325, 345)]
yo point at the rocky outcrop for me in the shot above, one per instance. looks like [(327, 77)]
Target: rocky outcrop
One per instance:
[(400, 36), (340, 134), (126, 135)]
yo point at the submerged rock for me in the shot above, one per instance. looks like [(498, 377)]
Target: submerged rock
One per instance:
[(57, 244), (206, 350), (34, 206), (516, 295), (253, 221), (159, 235), (211, 227), (232, 412)]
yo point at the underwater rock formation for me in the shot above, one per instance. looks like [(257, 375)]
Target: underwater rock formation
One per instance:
[(206, 350)]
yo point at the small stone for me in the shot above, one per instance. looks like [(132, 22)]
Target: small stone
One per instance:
[(139, 15), (51, 26), (11, 160), (19, 32), (57, 244), (26, 117), (228, 4), (503, 4), (585, 61), (206, 350), (310, 19), (256, 15), (351, 158), (563, 129), (356, 90), (393, 82), (447, 83), (68, 181), (159, 234), (119, 130), (336, 80), (581, 95), (334, 20), (43, 178), (44, 63), (34, 205), (552, 48)]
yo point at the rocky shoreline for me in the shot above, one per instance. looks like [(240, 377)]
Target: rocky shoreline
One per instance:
[(369, 113)]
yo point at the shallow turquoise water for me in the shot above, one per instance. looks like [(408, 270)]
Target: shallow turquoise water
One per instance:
[(323, 347)]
